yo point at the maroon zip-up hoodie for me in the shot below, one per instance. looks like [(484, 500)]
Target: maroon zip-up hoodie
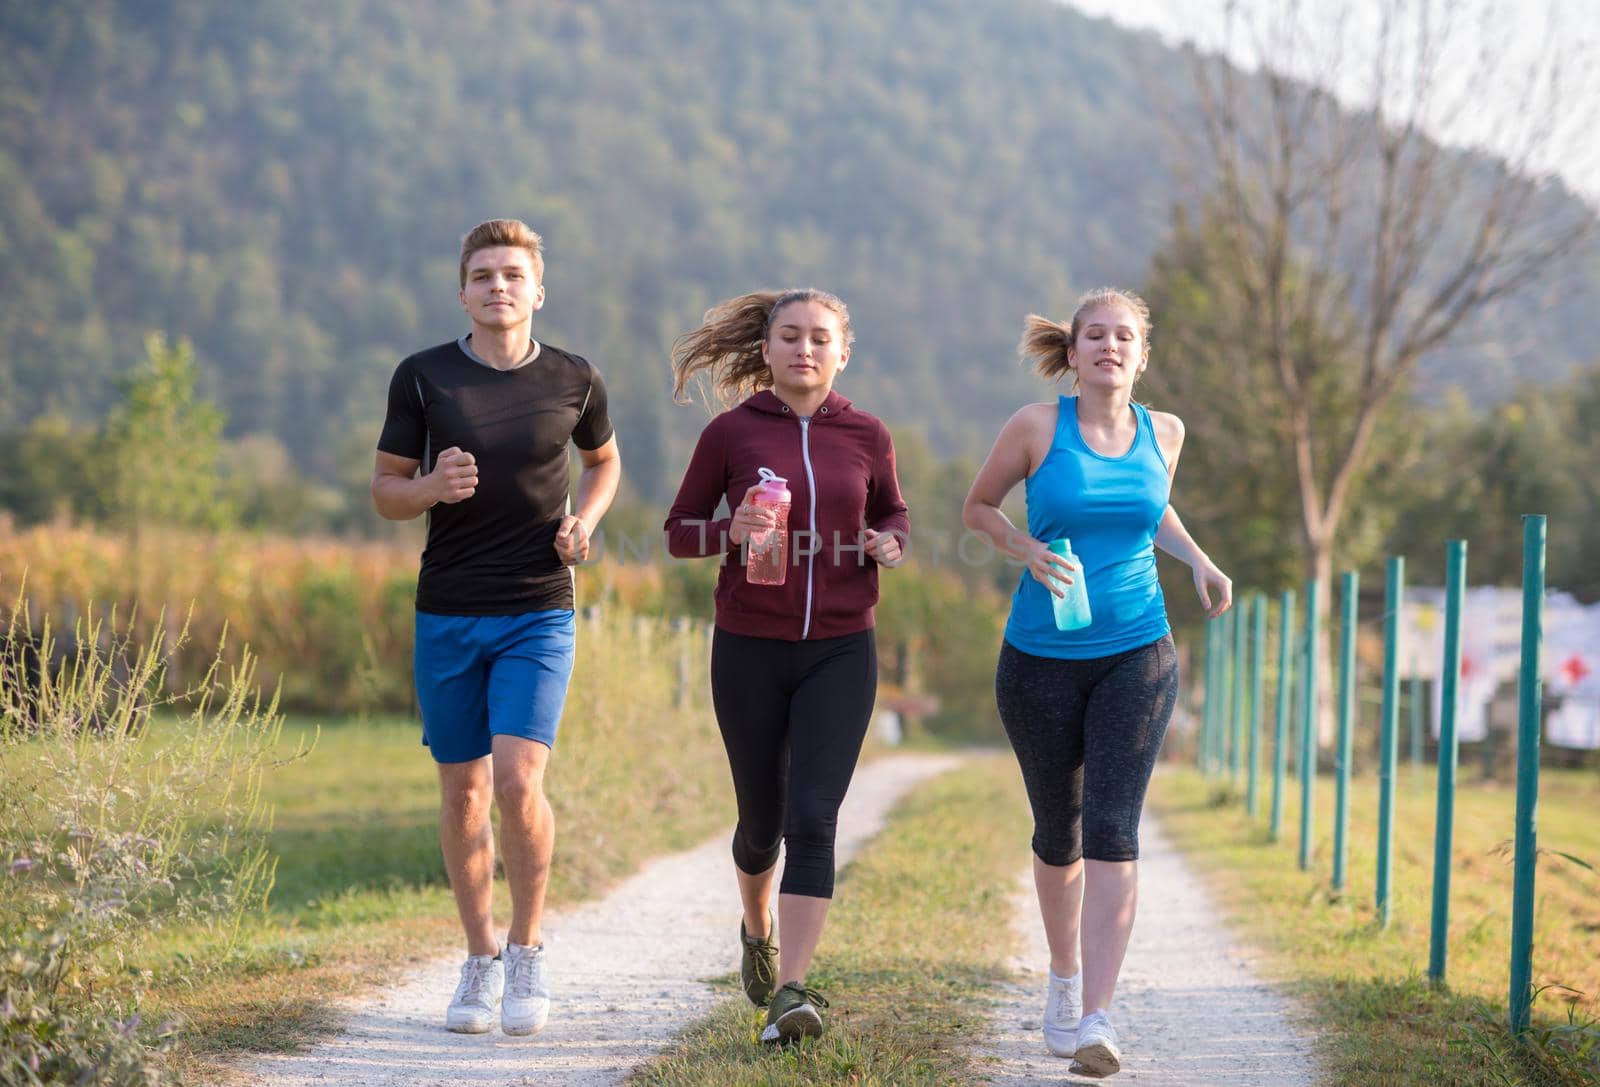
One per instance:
[(840, 470)]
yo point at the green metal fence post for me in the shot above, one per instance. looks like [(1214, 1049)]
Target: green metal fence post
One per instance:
[(1414, 690), (1529, 691), (1455, 580), (1389, 729), (1258, 647), (1215, 685), (1280, 727), (1224, 689), (1347, 702), (1241, 679), (1203, 737), (1308, 732)]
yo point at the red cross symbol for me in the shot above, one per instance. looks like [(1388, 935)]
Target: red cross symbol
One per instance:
[(1467, 666), (1573, 669)]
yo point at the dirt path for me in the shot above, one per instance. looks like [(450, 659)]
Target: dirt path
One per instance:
[(1188, 1010), (626, 975)]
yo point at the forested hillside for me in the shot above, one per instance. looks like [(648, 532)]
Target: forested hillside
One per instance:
[(286, 186)]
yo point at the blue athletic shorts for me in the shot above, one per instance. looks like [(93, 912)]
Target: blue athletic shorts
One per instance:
[(480, 676)]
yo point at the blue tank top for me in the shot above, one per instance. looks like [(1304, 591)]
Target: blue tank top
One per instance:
[(1110, 508)]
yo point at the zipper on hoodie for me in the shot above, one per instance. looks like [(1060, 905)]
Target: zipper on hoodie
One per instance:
[(811, 486)]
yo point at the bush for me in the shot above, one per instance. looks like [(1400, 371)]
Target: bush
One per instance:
[(122, 806)]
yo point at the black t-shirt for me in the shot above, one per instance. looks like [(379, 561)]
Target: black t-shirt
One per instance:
[(494, 553)]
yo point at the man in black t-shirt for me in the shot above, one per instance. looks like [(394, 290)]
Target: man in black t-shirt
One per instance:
[(476, 437)]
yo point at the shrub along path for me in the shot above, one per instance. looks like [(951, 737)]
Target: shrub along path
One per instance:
[(1188, 1010), (625, 975)]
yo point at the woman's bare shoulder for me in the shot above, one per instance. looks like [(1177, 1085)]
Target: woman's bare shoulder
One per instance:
[(1032, 418), (1167, 426), (1169, 434)]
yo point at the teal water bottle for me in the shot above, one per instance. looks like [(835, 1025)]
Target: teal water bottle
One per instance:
[(1072, 610)]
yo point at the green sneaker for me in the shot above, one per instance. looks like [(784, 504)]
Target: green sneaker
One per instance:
[(793, 1015), (758, 966)]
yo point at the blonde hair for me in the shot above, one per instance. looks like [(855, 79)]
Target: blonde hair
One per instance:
[(727, 345), (1045, 343), (508, 232)]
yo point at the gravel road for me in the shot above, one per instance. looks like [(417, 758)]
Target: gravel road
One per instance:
[(1189, 1011), (626, 975)]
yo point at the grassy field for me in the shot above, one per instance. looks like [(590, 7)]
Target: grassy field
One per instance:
[(1379, 1022), (360, 891), (920, 931), (917, 938)]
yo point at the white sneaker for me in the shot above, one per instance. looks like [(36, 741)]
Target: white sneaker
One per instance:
[(472, 1009), (1098, 1054), (527, 1001), (1063, 1006)]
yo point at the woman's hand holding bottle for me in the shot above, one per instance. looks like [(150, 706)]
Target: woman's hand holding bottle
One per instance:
[(751, 517)]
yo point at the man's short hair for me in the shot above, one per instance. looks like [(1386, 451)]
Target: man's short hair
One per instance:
[(508, 232)]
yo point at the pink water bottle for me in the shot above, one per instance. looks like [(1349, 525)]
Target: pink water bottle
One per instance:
[(766, 552)]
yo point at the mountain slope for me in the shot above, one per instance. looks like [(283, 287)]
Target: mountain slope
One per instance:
[(287, 186)]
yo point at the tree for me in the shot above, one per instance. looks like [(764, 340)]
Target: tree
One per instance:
[(1210, 354), (1343, 228), (47, 471), (265, 489), (161, 447), (1532, 454)]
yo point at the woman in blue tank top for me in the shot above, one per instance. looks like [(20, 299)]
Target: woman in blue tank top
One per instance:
[(1086, 709)]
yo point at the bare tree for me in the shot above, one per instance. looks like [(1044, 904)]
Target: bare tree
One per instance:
[(1345, 220)]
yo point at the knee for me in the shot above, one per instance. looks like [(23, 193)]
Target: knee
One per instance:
[(808, 857), (518, 793), (1110, 840), (1057, 854), (1057, 850), (1059, 837), (466, 802), (812, 823), (754, 854), (465, 784)]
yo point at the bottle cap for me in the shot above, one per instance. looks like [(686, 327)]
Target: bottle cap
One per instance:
[(1062, 546), (774, 484)]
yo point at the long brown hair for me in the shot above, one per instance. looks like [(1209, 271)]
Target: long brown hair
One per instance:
[(1045, 342), (727, 345)]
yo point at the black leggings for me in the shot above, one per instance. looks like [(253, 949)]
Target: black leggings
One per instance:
[(792, 715), (1086, 733)]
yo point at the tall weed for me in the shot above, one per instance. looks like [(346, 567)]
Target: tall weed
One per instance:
[(123, 804)]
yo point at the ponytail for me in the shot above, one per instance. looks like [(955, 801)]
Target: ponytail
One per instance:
[(1044, 343)]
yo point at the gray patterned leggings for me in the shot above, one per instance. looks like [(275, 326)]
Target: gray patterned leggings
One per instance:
[(1086, 734)]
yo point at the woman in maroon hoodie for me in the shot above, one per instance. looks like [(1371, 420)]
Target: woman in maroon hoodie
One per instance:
[(794, 667)]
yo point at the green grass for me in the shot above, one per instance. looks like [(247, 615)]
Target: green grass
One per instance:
[(1378, 1021), (917, 939), (359, 894), (360, 891)]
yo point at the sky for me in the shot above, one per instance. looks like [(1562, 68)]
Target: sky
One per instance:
[(1520, 34)]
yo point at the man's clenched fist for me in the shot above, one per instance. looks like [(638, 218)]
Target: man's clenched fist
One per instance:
[(454, 475)]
